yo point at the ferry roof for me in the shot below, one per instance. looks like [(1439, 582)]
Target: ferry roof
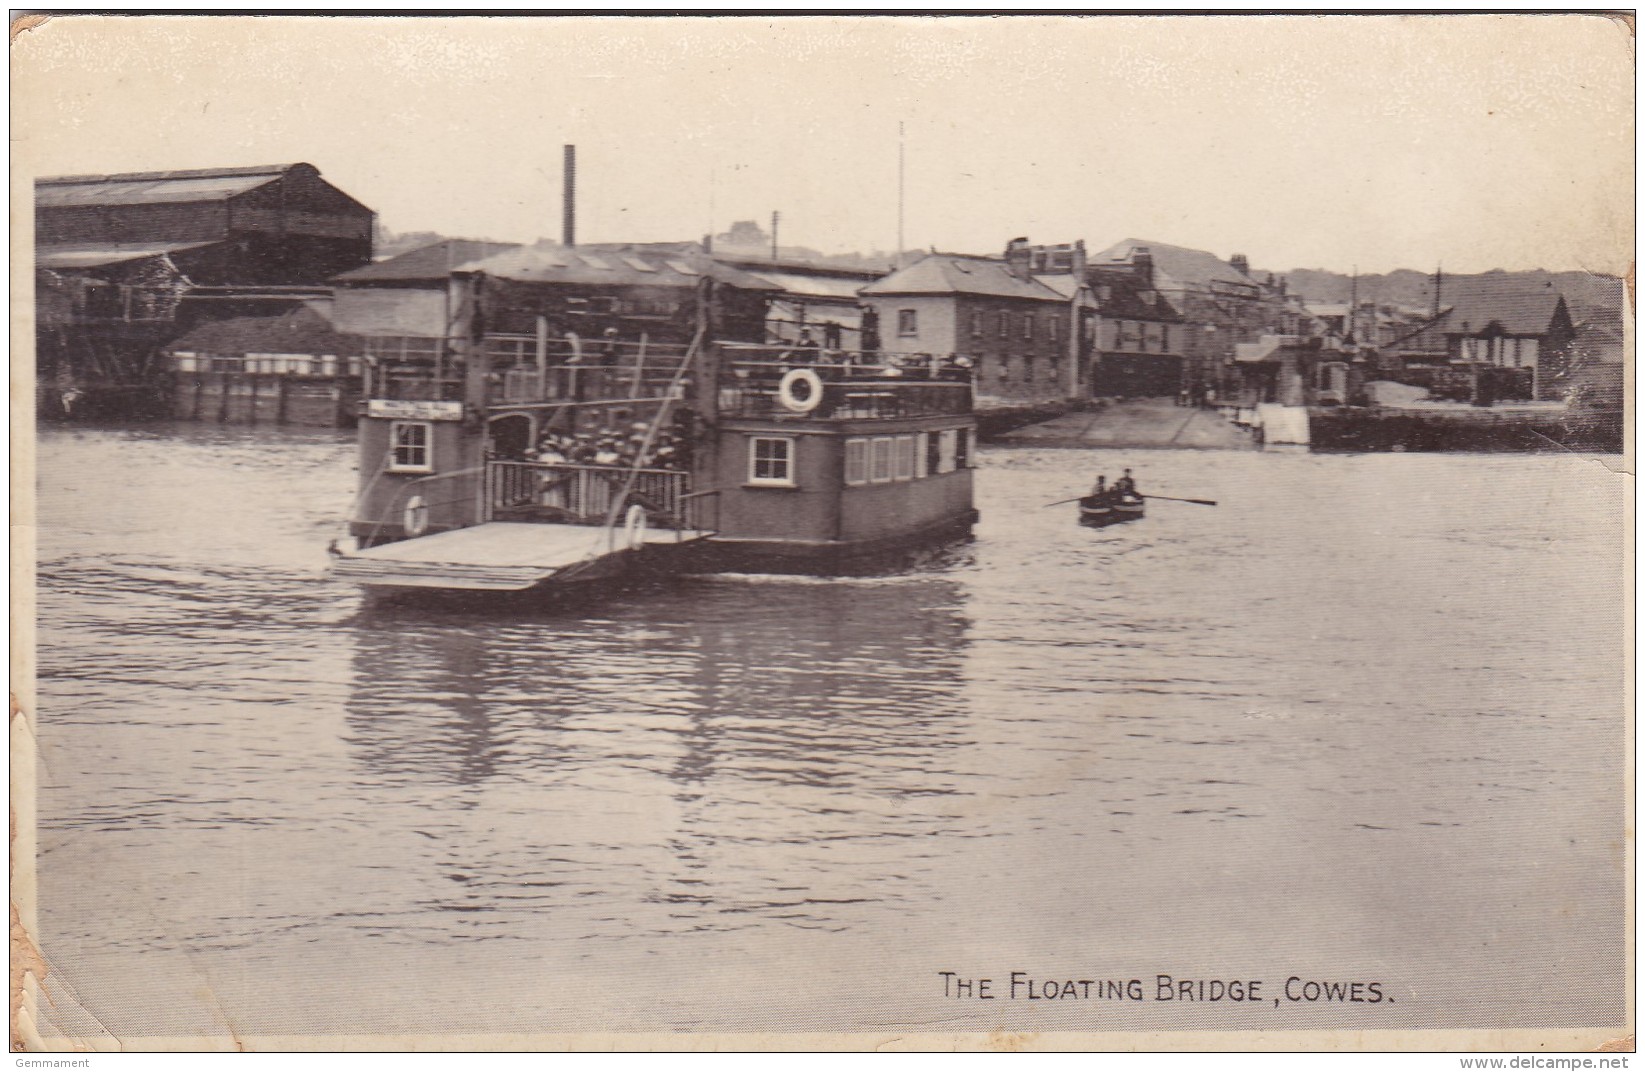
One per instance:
[(959, 273)]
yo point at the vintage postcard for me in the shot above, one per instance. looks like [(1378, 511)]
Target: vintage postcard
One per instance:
[(1016, 532)]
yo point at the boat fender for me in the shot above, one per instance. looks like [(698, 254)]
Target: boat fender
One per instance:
[(808, 398), (634, 527), (415, 518)]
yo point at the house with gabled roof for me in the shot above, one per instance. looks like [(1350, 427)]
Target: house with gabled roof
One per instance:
[(1016, 328), (1516, 336)]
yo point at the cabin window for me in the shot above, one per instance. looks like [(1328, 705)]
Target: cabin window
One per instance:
[(856, 461), (908, 322), (947, 449), (904, 458), (962, 449), (771, 461), (933, 454), (410, 445), (882, 459)]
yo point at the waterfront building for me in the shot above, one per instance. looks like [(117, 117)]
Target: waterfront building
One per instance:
[(1015, 328), (1221, 304), (125, 263)]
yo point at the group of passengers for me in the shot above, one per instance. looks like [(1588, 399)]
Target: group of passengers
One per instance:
[(806, 350), (1123, 490), (669, 449)]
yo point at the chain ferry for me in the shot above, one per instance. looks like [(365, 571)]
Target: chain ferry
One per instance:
[(553, 455)]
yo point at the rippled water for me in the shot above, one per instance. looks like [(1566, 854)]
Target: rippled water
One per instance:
[(1363, 721)]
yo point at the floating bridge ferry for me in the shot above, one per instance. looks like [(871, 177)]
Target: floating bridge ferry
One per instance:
[(519, 461)]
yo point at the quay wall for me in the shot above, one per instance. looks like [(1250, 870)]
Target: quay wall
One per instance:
[(265, 398), (1356, 428)]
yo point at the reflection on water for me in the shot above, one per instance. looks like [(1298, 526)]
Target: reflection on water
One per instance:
[(1362, 718)]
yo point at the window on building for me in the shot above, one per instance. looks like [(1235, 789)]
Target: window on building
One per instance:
[(1004, 319), (904, 458), (1005, 368), (882, 459), (1028, 369), (856, 461), (947, 446), (409, 441), (1028, 325), (1051, 329), (908, 322), (771, 461), (976, 323)]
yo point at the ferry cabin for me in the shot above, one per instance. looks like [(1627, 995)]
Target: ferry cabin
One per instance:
[(698, 456)]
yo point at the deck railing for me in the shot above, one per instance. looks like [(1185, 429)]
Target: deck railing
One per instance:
[(585, 494), (849, 392)]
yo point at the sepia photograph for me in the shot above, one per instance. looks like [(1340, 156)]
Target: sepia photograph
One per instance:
[(902, 531)]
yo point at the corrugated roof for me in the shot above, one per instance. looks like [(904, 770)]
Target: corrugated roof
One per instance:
[(431, 263), (811, 286), (953, 273), (1195, 267), (98, 256), (611, 266), (154, 187)]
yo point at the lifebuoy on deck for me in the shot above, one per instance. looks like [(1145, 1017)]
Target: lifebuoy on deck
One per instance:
[(634, 527), (807, 398), (415, 518)]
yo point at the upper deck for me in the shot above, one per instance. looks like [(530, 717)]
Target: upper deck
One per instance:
[(524, 371)]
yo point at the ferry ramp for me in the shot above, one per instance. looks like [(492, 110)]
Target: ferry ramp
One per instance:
[(499, 556)]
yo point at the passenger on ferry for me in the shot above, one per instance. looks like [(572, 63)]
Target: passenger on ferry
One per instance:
[(608, 348)]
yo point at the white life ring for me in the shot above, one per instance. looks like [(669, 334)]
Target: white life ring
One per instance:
[(634, 527), (415, 517), (813, 390)]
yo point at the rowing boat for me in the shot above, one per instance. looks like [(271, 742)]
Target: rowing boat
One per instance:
[(1109, 509)]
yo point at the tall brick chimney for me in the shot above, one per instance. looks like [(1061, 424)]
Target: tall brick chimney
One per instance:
[(1019, 259), (1142, 260), (1240, 264)]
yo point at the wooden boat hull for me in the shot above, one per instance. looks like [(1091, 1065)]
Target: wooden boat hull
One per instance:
[(1109, 513)]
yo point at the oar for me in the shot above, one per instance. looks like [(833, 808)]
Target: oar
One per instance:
[(1169, 498)]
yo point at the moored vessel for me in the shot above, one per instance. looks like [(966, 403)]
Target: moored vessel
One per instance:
[(514, 461)]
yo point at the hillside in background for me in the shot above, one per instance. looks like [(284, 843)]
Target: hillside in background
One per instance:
[(1589, 295)]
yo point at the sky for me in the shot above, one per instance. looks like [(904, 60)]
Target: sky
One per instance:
[(1338, 142)]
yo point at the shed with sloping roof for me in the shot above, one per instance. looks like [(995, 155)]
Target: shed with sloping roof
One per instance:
[(283, 223)]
